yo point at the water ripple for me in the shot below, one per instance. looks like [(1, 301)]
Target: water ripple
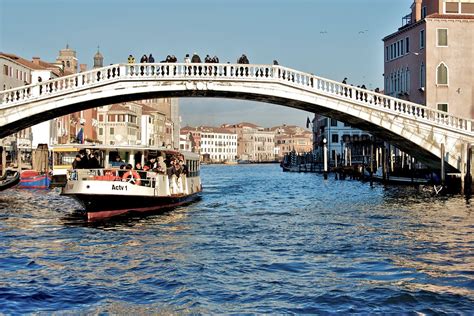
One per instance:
[(259, 241)]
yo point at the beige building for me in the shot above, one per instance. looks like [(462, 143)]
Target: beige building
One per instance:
[(429, 59), (153, 126), (170, 108), (254, 143), (119, 124), (289, 138)]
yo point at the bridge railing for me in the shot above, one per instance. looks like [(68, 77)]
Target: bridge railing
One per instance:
[(231, 72)]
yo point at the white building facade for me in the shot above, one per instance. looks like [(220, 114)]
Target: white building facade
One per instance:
[(219, 144)]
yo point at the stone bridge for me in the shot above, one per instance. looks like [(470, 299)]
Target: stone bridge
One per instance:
[(414, 128)]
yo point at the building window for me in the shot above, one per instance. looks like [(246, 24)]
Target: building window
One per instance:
[(5, 70), (422, 39), (467, 8), (422, 75), (335, 138), (452, 7), (407, 74), (112, 131), (423, 12), (101, 131), (101, 117), (443, 107), (442, 74), (386, 53), (333, 122), (407, 45), (442, 35)]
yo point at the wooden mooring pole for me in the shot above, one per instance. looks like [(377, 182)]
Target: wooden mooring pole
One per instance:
[(468, 176), (443, 174)]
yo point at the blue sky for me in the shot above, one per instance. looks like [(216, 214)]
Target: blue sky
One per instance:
[(331, 38)]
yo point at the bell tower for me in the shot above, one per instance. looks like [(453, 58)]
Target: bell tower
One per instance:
[(98, 59), (67, 58)]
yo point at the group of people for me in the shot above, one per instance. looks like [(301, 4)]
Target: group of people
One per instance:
[(175, 165), (363, 96), (86, 160), (187, 59)]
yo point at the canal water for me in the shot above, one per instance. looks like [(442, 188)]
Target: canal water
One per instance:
[(259, 241)]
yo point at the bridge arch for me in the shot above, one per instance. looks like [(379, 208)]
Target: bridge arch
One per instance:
[(413, 128)]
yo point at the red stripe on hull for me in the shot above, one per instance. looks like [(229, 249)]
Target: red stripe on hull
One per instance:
[(106, 214)]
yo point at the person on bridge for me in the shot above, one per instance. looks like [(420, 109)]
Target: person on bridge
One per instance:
[(187, 60), (196, 59), (131, 59), (151, 59), (144, 59)]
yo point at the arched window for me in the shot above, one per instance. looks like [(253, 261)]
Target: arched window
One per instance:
[(408, 82), (422, 75), (442, 74), (68, 63)]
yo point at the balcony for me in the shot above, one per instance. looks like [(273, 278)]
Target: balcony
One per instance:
[(406, 20)]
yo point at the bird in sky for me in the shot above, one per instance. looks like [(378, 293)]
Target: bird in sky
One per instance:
[(323, 32), (362, 32)]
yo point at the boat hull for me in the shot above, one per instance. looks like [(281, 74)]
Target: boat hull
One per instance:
[(9, 180), (31, 179), (99, 206)]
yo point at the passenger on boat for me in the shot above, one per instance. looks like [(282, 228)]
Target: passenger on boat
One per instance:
[(94, 161), (138, 166), (84, 159), (161, 165), (150, 164), (184, 167), (76, 164), (118, 162)]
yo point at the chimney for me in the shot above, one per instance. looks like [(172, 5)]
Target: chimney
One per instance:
[(417, 10), (36, 60), (82, 67)]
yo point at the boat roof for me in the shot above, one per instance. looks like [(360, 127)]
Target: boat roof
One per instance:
[(77, 147)]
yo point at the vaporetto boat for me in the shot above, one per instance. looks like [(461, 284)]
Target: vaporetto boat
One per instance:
[(111, 191)]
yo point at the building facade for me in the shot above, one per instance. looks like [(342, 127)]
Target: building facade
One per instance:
[(292, 138), (429, 59), (119, 124), (254, 143), (153, 126), (341, 139), (218, 144)]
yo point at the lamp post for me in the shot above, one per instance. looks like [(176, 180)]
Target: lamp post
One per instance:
[(325, 158)]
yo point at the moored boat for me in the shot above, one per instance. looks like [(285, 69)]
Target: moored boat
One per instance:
[(9, 179), (31, 179), (109, 191)]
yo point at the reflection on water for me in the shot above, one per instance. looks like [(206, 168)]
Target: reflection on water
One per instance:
[(259, 241)]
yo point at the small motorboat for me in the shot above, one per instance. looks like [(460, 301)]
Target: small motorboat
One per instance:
[(31, 179), (10, 179)]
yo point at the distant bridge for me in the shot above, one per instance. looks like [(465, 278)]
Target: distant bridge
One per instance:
[(413, 128)]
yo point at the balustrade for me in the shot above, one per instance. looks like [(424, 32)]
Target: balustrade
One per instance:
[(237, 72)]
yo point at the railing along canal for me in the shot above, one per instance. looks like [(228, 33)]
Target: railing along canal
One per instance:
[(231, 72)]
